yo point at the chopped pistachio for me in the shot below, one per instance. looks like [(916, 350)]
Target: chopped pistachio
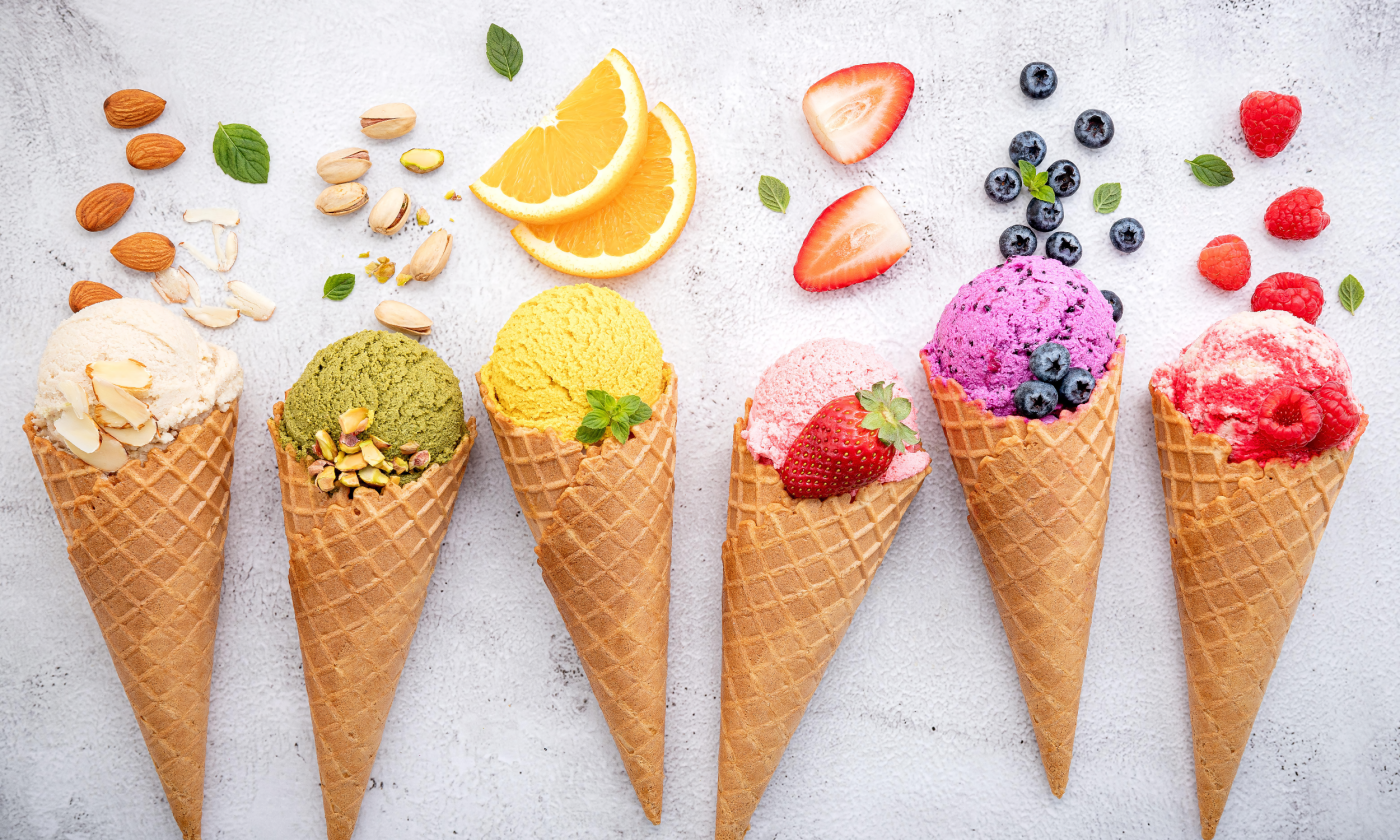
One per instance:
[(325, 445), (365, 255), (400, 466), (349, 479), (373, 456), (317, 466), (349, 443), (351, 461), (373, 477), (350, 421), (408, 448), (326, 480), (379, 442), (421, 459)]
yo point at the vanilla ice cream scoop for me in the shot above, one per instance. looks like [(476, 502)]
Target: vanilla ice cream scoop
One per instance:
[(87, 374)]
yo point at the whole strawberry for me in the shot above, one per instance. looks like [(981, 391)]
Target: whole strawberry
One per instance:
[(1269, 120), (1297, 214), (1298, 294), (1225, 262), (847, 444)]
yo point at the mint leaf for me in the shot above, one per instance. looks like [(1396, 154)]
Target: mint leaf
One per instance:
[(589, 436), (241, 152), (1211, 170), (1043, 193), (1107, 197), (1027, 171), (339, 286), (773, 193), (609, 414), (504, 52), (1351, 294)]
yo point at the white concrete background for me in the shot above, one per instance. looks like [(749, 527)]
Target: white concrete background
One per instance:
[(919, 728)]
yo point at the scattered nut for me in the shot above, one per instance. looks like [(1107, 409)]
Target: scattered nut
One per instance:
[(390, 212), (213, 316), (423, 218), (145, 252), (173, 284), (403, 318), (343, 165), (249, 302), (421, 160), (381, 270), (199, 255), (452, 196), (430, 258), (153, 151), (85, 293), (132, 108), (230, 251), (104, 206), (385, 122), (226, 216), (342, 199)]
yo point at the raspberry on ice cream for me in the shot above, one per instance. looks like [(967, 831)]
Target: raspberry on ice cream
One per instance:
[(1246, 369), (807, 378), (987, 333)]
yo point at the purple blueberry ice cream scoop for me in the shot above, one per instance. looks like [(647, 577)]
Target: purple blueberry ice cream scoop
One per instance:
[(987, 333)]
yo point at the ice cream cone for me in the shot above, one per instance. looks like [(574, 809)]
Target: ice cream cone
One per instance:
[(795, 570), (359, 572), (1243, 540), (1037, 501), (602, 519), (147, 543)]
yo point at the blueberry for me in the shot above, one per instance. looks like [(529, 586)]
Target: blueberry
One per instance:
[(1028, 146), (1017, 241), (1038, 80), (1126, 235), (1093, 128), (1049, 362), (1063, 246), (1043, 216), (1076, 387), (1116, 302), (1035, 399), (1064, 178), (1003, 184)]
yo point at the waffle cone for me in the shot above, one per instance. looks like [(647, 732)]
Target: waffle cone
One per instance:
[(795, 570), (601, 517), (1242, 541), (147, 543), (359, 572), (1037, 503)]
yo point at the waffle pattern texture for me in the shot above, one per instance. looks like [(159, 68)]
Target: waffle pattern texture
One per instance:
[(1243, 540), (601, 516), (795, 570), (147, 543), (359, 572), (1037, 502)]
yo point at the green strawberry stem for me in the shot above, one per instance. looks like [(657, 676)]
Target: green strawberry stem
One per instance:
[(887, 414)]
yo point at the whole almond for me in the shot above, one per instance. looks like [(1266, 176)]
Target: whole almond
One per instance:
[(153, 151), (145, 252), (85, 293), (132, 108), (104, 206)]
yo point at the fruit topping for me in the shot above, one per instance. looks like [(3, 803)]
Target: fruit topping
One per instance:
[(853, 112), (1034, 400), (1044, 216), (1076, 387), (858, 237), (1296, 293), (1049, 362), (1114, 301), (1017, 241), (1225, 262), (1063, 246), (848, 444), (1290, 417), (1340, 415)]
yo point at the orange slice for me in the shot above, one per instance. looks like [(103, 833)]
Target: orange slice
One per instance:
[(633, 230), (578, 157)]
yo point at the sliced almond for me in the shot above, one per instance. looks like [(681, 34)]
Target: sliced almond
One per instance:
[(139, 436), (76, 396), (108, 419), (199, 255), (80, 433), (126, 373), (249, 302), (230, 251), (218, 215), (172, 284), (121, 402), (403, 318), (109, 457), (213, 316), (218, 231), (195, 299)]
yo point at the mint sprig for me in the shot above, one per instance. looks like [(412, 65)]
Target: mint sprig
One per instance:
[(773, 193), (1107, 197), (1036, 183), (609, 414), (241, 152), (887, 414), (504, 52), (1350, 293), (1211, 170)]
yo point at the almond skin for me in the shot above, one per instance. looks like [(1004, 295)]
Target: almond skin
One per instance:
[(85, 293), (132, 108), (145, 252), (104, 206), (153, 151)]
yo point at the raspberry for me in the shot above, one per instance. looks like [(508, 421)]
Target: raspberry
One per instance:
[(1290, 417), (1225, 262), (1296, 293), (1340, 416), (1269, 120), (1297, 214)]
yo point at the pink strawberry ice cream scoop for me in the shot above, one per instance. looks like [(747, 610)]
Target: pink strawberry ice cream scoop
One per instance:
[(1269, 383), (988, 331), (809, 377)]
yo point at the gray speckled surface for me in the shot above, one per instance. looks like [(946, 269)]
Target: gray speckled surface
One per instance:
[(919, 727)]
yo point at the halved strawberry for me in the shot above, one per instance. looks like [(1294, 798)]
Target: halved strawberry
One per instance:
[(858, 237), (854, 111)]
